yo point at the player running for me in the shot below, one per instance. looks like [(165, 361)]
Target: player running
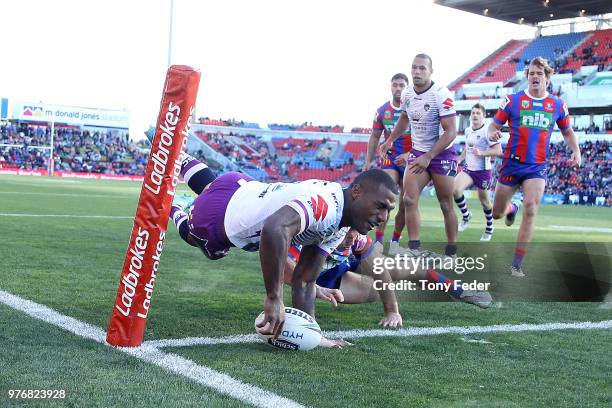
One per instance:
[(384, 121), (430, 112), (477, 171), (233, 210), (531, 115)]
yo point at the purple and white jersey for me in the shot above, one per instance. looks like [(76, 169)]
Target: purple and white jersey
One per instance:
[(318, 203), (477, 139), (424, 110)]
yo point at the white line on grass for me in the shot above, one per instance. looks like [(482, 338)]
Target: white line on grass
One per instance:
[(579, 229), (220, 382), (411, 332), (84, 194), (118, 217)]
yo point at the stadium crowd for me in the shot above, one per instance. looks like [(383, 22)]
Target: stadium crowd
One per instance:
[(74, 150), (114, 153)]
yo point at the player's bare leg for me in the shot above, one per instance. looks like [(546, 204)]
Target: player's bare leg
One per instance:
[(503, 198), (444, 191), (461, 183), (533, 190), (413, 186)]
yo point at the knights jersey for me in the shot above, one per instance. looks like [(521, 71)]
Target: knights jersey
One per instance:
[(531, 122), (384, 119), (424, 110), (318, 203)]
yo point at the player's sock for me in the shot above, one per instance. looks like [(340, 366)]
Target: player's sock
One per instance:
[(179, 218), (463, 207), (414, 244), (519, 254), (489, 216), (450, 249), (397, 235), (435, 277), (196, 174), (380, 235)]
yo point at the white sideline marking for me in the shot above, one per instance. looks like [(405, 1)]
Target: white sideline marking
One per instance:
[(220, 382), (411, 332), (83, 194), (580, 229), (562, 228), (118, 217)]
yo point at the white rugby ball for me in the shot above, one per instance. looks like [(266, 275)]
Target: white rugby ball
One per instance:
[(300, 332)]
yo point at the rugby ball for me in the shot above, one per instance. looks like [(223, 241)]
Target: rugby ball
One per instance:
[(300, 332)]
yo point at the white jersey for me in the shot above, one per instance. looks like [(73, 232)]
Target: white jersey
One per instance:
[(424, 111), (319, 204), (477, 139)]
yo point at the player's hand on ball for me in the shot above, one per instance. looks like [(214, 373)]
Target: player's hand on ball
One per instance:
[(335, 343), (420, 164), (274, 317), (576, 159), (401, 159), (391, 319), (332, 295)]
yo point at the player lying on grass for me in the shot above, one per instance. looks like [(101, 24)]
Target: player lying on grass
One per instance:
[(350, 271), (234, 210)]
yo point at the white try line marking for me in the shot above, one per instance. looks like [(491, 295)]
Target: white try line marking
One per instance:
[(112, 217), (219, 382), (411, 332)]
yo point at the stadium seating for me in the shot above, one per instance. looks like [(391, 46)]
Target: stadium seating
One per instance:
[(500, 59)]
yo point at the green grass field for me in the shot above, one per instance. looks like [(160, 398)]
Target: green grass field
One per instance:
[(66, 250)]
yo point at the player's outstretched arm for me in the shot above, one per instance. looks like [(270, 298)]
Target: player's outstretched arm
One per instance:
[(572, 141), (495, 150), (276, 234), (304, 277), (331, 295)]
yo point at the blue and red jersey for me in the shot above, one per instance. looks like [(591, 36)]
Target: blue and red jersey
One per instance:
[(531, 122), (385, 118)]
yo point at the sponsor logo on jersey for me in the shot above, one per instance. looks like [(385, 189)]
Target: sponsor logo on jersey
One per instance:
[(319, 207), (448, 104), (536, 119), (548, 107)]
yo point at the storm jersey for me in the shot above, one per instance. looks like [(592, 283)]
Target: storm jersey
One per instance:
[(531, 122), (424, 110), (384, 119), (477, 139), (318, 203)]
